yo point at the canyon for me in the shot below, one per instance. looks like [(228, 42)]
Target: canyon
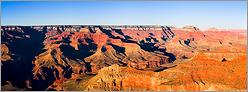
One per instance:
[(128, 57)]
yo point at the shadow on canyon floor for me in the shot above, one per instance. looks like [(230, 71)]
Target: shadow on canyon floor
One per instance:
[(19, 70)]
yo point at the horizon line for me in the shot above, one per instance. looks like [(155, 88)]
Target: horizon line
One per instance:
[(124, 25)]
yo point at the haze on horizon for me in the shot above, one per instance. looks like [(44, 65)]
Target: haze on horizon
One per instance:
[(203, 14)]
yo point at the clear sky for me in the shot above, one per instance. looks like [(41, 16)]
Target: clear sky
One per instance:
[(203, 14)]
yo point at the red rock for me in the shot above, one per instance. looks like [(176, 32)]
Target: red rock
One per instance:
[(136, 58)]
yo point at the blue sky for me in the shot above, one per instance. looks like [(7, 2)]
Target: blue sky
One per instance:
[(203, 14)]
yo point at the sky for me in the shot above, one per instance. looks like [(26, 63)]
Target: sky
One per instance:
[(202, 14)]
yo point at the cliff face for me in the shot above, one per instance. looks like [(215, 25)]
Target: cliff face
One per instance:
[(199, 73), (122, 58), (5, 54)]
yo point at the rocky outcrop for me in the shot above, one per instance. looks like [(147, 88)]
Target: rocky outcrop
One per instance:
[(5, 54), (201, 73)]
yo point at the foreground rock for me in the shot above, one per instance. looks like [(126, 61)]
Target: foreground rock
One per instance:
[(200, 73)]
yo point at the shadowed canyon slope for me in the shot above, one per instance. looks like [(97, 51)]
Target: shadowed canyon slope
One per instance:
[(122, 58)]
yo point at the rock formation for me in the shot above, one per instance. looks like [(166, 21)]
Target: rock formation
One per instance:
[(200, 73), (5, 54), (122, 58)]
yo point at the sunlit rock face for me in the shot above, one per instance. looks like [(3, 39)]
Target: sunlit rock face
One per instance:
[(122, 58)]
